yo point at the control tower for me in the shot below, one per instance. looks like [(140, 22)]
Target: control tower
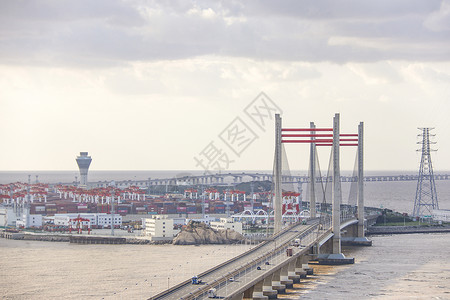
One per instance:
[(83, 161)]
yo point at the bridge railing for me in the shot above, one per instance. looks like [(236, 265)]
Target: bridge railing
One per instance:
[(176, 287), (274, 256), (347, 212)]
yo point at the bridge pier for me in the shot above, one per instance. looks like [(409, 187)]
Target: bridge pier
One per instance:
[(239, 296), (276, 282), (258, 293), (305, 266), (291, 273), (267, 288), (299, 266), (284, 277), (249, 292)]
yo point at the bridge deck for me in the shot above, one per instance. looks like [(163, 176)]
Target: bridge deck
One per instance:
[(244, 267), (218, 179)]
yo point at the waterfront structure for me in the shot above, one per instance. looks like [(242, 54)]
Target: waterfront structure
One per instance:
[(227, 223), (28, 220), (83, 161), (100, 220), (7, 216), (16, 218), (159, 227), (442, 215), (426, 196)]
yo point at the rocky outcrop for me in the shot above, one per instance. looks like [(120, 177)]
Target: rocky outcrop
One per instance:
[(196, 233)]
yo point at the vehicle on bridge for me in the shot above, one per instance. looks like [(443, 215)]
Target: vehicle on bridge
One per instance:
[(212, 293), (195, 280)]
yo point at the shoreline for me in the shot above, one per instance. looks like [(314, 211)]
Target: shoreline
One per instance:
[(387, 230), (371, 231), (26, 236)]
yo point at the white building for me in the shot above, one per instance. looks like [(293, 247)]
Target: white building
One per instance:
[(28, 221), (99, 219), (104, 220), (227, 223), (22, 218), (160, 227), (8, 216), (441, 215)]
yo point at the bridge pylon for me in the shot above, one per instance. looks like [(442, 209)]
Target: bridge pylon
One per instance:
[(360, 200), (337, 193), (312, 174), (326, 137), (277, 201)]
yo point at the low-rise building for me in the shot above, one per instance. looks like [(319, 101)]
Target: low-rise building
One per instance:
[(441, 215), (105, 220), (28, 220), (159, 227), (8, 216), (19, 218), (227, 223), (100, 220)]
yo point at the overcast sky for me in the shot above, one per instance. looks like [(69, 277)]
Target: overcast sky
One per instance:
[(155, 85)]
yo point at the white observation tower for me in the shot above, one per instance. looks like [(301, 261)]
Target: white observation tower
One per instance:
[(83, 161)]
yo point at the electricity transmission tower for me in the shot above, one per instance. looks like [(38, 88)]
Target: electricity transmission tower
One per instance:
[(426, 197)]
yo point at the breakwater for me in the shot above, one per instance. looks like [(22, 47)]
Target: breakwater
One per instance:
[(379, 230), (83, 239)]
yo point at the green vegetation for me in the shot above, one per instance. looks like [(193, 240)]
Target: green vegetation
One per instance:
[(391, 218), (411, 223)]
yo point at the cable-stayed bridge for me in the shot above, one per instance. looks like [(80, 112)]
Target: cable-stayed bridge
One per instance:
[(282, 259), (266, 270)]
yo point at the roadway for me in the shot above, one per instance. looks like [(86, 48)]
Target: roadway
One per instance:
[(244, 266), (248, 275)]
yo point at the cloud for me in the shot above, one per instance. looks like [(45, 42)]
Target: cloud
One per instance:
[(109, 33), (439, 20)]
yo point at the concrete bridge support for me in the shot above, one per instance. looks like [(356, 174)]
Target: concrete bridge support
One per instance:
[(305, 266), (276, 282), (258, 291), (238, 297), (312, 175), (278, 197), (337, 195), (299, 267), (284, 277), (267, 288), (291, 272), (249, 292), (360, 181), (336, 256)]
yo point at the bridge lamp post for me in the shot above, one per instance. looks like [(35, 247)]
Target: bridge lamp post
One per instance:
[(226, 287)]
